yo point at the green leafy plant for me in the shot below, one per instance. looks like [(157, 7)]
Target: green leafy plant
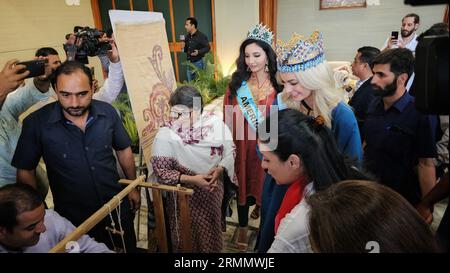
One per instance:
[(209, 86), (122, 104)]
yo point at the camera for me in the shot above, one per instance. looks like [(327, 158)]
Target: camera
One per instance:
[(90, 45)]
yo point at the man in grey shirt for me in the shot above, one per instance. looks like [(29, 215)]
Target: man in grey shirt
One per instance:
[(15, 104)]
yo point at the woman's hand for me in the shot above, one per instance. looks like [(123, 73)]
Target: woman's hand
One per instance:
[(215, 174), (199, 180)]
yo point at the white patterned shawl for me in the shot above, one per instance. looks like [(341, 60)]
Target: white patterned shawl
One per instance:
[(207, 144)]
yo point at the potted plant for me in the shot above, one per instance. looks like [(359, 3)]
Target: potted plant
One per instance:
[(122, 104), (207, 84)]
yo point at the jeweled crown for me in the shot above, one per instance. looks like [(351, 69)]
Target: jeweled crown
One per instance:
[(262, 33), (300, 54)]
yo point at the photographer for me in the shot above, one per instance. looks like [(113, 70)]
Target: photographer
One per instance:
[(18, 102), (33, 96), (115, 81), (84, 42)]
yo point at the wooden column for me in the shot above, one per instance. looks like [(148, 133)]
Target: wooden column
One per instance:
[(446, 15), (191, 8), (268, 14), (150, 5), (174, 40), (96, 14), (213, 44)]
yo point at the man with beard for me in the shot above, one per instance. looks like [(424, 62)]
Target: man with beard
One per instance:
[(399, 145), (76, 137), (17, 103), (408, 36)]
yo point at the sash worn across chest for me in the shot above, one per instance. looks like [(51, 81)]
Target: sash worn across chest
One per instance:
[(248, 106)]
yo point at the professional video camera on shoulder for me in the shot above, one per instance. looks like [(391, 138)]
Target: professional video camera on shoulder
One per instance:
[(88, 42)]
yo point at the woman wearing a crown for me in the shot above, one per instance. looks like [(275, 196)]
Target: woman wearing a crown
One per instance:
[(309, 87), (253, 89)]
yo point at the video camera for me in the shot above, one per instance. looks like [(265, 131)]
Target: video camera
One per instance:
[(90, 45)]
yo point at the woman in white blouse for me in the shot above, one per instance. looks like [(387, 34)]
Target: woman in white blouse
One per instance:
[(303, 154)]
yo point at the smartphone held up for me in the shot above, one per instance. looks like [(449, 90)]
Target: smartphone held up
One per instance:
[(36, 68), (394, 38)]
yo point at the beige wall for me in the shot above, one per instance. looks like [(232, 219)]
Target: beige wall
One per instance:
[(346, 30), (233, 19), (27, 25)]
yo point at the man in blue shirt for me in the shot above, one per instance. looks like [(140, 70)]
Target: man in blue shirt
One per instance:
[(400, 144), (76, 137)]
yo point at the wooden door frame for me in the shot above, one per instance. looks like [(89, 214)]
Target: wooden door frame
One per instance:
[(268, 14), (174, 46)]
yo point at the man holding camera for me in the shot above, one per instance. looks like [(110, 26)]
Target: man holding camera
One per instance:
[(34, 95), (18, 102)]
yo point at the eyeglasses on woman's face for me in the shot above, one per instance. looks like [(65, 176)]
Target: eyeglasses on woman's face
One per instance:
[(177, 111)]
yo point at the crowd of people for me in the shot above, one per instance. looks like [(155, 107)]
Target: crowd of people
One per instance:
[(325, 174)]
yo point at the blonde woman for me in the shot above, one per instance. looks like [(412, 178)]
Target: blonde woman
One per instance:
[(309, 87)]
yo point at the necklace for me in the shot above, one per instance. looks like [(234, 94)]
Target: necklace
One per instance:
[(262, 85), (262, 91)]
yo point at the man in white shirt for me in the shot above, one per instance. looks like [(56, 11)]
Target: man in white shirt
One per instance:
[(408, 37), (27, 227)]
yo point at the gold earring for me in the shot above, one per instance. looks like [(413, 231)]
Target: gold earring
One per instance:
[(266, 68)]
